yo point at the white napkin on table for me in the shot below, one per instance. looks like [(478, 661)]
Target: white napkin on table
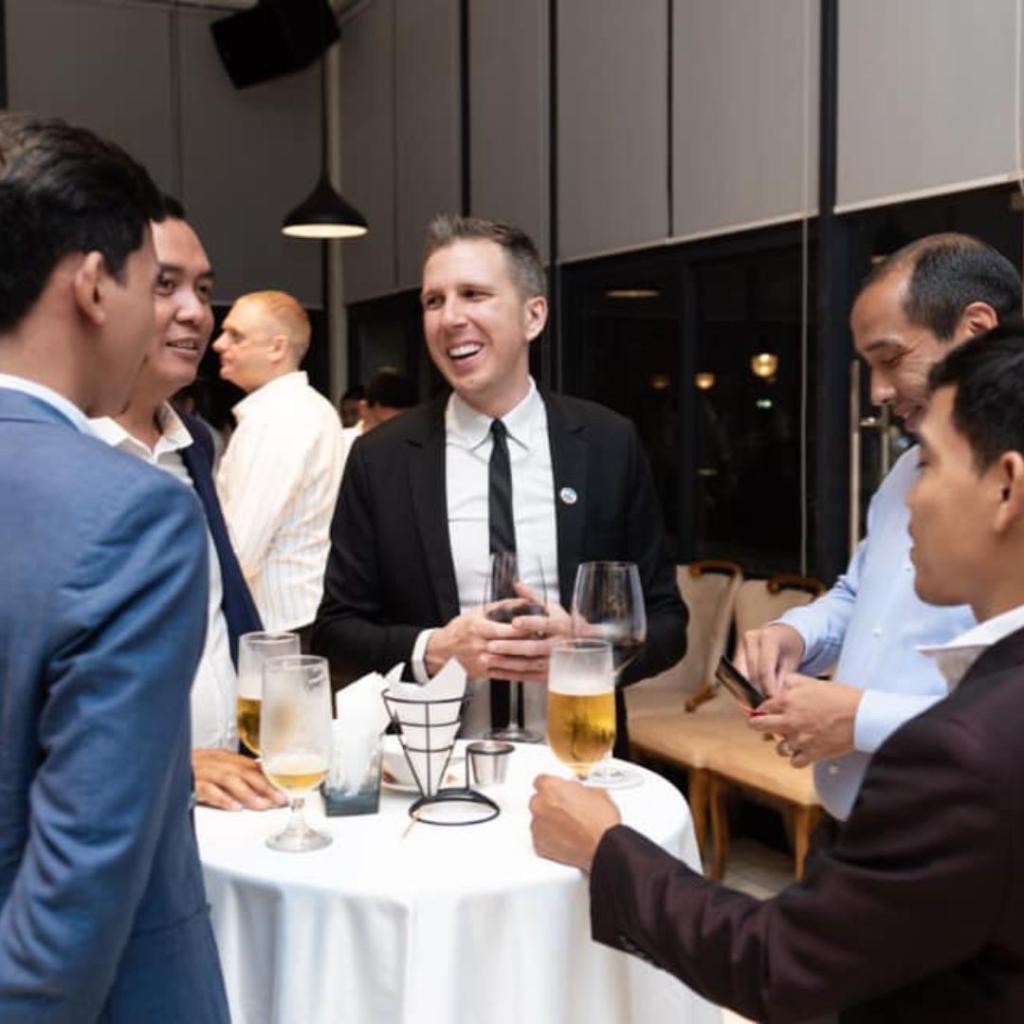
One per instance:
[(360, 718), (448, 684)]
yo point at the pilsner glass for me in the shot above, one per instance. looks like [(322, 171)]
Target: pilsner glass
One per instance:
[(608, 603), (253, 650), (295, 737), (581, 703)]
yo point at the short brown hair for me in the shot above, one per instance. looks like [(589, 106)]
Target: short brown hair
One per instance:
[(524, 260)]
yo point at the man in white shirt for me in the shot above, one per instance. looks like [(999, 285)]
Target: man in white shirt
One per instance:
[(150, 429), (915, 913), (413, 531), (279, 478)]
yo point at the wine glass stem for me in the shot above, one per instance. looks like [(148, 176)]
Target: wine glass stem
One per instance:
[(297, 820)]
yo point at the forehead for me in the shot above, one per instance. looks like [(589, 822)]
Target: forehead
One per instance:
[(937, 429), (878, 310), (466, 260), (177, 244)]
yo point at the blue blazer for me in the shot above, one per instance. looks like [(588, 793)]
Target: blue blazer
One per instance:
[(237, 604), (103, 582)]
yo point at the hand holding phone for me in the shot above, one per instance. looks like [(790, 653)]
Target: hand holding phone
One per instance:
[(729, 676)]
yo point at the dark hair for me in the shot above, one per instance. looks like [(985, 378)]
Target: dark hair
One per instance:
[(988, 373), (357, 391), (63, 190), (170, 207), (947, 273), (388, 387), (524, 260)]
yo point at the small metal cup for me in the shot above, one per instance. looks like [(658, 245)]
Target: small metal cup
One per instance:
[(487, 760)]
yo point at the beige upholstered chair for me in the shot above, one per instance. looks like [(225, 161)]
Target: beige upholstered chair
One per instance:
[(709, 590), (661, 726), (744, 759)]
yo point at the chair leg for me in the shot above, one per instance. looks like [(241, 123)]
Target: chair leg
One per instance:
[(699, 806), (804, 821), (719, 826), (694, 701)]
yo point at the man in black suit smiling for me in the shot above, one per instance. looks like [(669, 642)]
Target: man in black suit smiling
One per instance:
[(412, 530)]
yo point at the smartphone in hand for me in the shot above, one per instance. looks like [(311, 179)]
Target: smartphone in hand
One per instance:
[(729, 676)]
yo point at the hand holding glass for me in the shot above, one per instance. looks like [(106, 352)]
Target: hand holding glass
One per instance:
[(581, 703), (253, 650), (510, 579), (295, 737)]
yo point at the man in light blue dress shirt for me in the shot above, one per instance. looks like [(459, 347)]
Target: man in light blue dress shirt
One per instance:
[(930, 296)]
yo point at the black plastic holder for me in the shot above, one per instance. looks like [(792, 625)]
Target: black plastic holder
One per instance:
[(436, 714)]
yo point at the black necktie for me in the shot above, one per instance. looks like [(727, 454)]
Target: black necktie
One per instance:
[(503, 538)]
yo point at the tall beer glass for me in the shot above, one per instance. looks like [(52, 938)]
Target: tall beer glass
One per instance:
[(253, 650), (581, 703), (295, 737)]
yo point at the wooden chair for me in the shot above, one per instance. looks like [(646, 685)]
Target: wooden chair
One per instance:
[(661, 725), (743, 760)]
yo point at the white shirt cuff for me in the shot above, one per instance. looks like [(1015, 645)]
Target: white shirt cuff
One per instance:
[(418, 659), (880, 714)]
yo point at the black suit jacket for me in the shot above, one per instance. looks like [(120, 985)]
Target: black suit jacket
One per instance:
[(916, 914), (390, 572), (239, 609)]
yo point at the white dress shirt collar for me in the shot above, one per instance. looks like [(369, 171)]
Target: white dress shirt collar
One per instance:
[(466, 426), (174, 435), (268, 392), (63, 405), (955, 658)]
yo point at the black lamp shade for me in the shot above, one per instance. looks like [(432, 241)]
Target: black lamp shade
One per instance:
[(324, 215)]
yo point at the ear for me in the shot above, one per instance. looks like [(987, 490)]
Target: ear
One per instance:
[(1009, 479), (278, 348), (535, 312), (89, 286), (977, 318)]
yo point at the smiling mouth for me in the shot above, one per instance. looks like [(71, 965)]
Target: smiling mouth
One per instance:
[(184, 345), (464, 351)]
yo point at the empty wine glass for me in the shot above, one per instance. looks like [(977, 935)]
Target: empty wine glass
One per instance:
[(608, 604), (295, 738), (511, 577)]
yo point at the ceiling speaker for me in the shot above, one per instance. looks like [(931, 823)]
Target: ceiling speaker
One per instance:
[(274, 38)]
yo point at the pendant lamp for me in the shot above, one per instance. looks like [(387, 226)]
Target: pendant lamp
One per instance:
[(324, 213)]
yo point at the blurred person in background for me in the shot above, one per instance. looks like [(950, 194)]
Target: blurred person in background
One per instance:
[(279, 478)]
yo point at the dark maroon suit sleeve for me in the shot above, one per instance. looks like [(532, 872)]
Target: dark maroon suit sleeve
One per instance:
[(910, 891)]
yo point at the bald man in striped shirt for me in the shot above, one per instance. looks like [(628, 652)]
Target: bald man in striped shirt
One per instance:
[(279, 478)]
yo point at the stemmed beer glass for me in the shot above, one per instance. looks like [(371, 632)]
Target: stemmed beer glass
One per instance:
[(608, 604), (295, 738), (253, 650), (510, 575)]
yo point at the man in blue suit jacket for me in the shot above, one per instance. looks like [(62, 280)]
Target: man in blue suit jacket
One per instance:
[(151, 429), (102, 613)]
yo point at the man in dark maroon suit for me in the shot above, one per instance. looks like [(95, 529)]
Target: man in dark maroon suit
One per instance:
[(917, 912)]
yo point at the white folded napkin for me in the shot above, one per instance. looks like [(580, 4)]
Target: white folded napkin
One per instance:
[(448, 685), (355, 732)]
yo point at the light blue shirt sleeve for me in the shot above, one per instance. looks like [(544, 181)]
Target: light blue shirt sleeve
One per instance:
[(873, 622)]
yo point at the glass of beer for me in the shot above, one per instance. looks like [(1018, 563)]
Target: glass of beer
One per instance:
[(253, 650), (581, 703), (608, 604), (295, 738)]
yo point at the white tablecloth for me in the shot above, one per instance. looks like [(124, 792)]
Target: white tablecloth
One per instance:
[(441, 925)]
